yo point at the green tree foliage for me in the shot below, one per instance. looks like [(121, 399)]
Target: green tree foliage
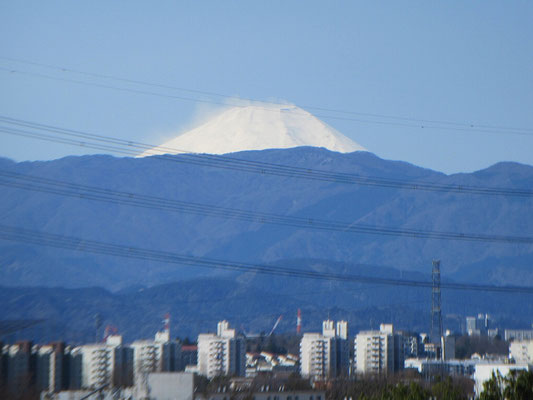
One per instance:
[(413, 391), (390, 388), (517, 385), (448, 389)]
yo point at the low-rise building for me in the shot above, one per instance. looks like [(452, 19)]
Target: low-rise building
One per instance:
[(518, 334), (269, 362), (431, 367), (171, 386)]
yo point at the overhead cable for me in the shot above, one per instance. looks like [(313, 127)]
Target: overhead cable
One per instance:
[(63, 188), (131, 148), (377, 118), (28, 236)]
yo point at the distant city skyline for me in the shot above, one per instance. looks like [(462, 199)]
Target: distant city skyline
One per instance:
[(467, 64)]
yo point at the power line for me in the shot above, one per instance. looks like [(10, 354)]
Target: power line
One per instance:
[(131, 148), (419, 122), (196, 100), (9, 326), (28, 236), (62, 188)]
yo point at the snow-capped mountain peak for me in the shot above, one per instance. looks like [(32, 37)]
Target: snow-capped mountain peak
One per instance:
[(257, 128)]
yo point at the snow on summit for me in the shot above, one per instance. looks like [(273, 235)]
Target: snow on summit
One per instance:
[(257, 128)]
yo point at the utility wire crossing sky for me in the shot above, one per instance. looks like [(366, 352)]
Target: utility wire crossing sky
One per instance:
[(446, 86)]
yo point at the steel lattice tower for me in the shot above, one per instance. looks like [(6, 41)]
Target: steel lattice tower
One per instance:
[(436, 313)]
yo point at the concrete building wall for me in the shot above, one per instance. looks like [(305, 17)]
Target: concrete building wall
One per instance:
[(20, 365), (171, 386), (97, 363), (448, 347), (518, 334), (146, 359), (49, 369), (522, 351), (325, 355), (315, 356), (378, 352), (221, 354), (104, 364), (74, 359)]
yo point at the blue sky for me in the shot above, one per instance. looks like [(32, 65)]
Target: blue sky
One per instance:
[(464, 62)]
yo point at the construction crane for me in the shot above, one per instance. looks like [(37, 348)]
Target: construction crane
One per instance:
[(275, 325)]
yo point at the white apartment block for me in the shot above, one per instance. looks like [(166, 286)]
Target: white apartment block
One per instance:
[(316, 356), (522, 351), (378, 352), (327, 354), (98, 364), (103, 364), (158, 355), (221, 354)]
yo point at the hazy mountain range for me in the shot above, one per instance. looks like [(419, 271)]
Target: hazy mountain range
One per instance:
[(231, 239), (68, 287)]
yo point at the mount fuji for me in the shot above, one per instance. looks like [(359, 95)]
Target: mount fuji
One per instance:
[(258, 127)]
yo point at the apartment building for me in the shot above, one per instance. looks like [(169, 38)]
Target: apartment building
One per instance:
[(379, 352), (223, 353), (327, 354)]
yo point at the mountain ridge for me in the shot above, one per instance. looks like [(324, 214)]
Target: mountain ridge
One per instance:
[(250, 241)]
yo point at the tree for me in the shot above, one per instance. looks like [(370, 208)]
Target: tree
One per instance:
[(413, 391), (447, 390), (493, 388), (517, 385)]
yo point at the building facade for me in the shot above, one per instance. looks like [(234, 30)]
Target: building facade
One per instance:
[(151, 356), (521, 351), (223, 353), (50, 365), (325, 355), (518, 334), (105, 364), (379, 352)]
